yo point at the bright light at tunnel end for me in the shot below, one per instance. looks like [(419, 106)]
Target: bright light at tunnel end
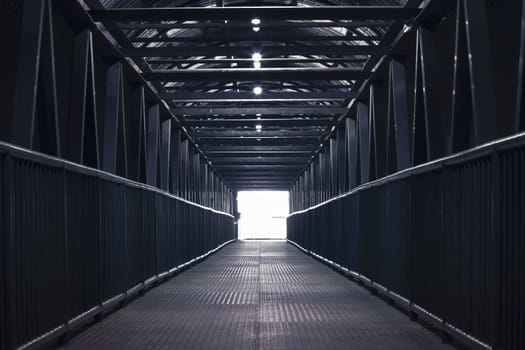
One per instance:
[(263, 214), (257, 90)]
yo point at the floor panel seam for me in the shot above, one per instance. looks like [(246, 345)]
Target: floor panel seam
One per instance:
[(258, 323)]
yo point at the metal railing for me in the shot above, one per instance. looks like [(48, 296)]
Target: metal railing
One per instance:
[(77, 242), (446, 240)]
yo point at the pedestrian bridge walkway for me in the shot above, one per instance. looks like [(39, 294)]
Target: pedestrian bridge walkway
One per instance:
[(258, 295)]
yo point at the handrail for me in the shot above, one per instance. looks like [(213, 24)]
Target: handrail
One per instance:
[(102, 240), (445, 235), (7, 148), (473, 153)]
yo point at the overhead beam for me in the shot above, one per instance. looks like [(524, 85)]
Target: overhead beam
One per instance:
[(218, 155), (252, 184), (256, 100), (263, 164), (231, 111), (277, 61), (261, 186), (282, 185), (268, 171), (255, 37), (295, 174), (261, 138), (260, 174), (255, 184), (261, 12), (247, 51), (249, 74), (243, 24), (258, 104), (258, 134), (259, 160), (270, 86), (278, 122), (235, 97), (260, 181), (260, 166), (254, 142), (264, 187), (258, 148), (268, 179), (261, 177)]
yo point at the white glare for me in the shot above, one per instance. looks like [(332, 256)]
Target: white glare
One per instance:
[(263, 214), (257, 90)]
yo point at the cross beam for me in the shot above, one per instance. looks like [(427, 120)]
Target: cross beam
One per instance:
[(274, 61), (260, 148), (226, 134), (260, 161), (276, 122), (247, 51), (268, 154), (259, 141), (274, 25), (256, 38), (262, 12), (263, 111), (234, 97), (250, 74), (296, 167)]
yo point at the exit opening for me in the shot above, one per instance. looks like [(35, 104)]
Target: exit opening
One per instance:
[(262, 214)]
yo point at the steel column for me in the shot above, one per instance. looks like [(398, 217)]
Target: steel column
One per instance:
[(480, 65), (25, 108), (115, 143), (165, 155), (152, 149)]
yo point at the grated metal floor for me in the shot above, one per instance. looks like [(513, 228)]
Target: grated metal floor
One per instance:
[(258, 295)]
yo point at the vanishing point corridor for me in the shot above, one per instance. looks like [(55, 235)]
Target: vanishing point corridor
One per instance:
[(394, 130)]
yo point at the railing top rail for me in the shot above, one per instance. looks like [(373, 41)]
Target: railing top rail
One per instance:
[(478, 152), (23, 153)]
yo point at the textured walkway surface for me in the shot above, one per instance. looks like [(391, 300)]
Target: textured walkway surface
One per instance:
[(257, 295)]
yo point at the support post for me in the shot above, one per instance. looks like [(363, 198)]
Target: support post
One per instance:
[(27, 73), (165, 155), (152, 150)]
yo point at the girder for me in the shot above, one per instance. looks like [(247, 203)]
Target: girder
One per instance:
[(254, 111), (264, 122), (248, 97), (247, 51), (270, 24), (248, 74), (247, 13)]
